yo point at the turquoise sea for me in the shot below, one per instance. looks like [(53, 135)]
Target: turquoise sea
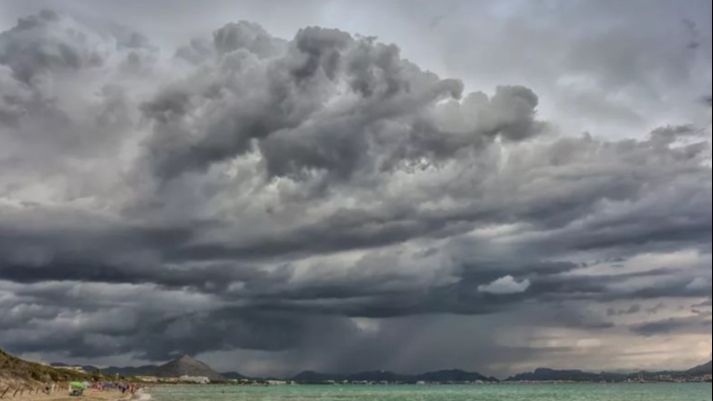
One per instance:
[(499, 392)]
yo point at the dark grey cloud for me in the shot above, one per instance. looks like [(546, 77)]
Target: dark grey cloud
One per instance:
[(243, 193), (675, 326), (31, 48)]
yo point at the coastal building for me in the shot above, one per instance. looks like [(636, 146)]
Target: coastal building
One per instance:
[(77, 369), (194, 379)]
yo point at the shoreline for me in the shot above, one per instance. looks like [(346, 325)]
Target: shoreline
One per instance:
[(90, 395)]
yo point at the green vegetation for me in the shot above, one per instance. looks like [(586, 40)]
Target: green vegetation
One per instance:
[(13, 368)]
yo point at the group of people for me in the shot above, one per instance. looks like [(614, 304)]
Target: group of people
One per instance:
[(75, 389), (129, 388)]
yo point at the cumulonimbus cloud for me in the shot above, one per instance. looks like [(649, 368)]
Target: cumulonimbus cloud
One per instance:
[(271, 185)]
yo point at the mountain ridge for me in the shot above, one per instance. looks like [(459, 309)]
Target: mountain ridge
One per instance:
[(182, 366), (189, 366), (546, 374), (440, 376)]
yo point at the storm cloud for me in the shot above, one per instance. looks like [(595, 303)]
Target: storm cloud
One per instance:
[(273, 199)]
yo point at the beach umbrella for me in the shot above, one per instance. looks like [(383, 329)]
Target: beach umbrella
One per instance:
[(79, 385)]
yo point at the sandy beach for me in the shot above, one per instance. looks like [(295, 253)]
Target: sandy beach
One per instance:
[(90, 395)]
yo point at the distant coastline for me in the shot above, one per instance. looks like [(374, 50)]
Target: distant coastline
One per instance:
[(188, 370)]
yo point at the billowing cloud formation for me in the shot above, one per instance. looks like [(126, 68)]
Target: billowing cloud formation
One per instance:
[(255, 195)]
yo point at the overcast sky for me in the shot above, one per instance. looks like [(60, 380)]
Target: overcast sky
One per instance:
[(275, 186)]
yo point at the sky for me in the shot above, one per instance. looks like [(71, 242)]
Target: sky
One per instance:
[(277, 186)]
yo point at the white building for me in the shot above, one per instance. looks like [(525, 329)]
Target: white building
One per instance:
[(194, 379)]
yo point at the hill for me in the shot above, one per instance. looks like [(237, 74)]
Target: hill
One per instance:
[(187, 366), (184, 365), (442, 376), (697, 373), (704, 369), (453, 376), (125, 371), (14, 369), (551, 375)]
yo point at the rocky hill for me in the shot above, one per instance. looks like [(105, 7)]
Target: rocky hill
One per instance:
[(187, 366)]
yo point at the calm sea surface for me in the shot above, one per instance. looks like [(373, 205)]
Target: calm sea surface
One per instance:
[(541, 392)]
